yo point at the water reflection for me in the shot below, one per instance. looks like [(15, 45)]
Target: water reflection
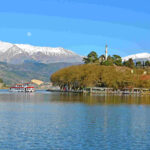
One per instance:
[(102, 99), (64, 121), (46, 97)]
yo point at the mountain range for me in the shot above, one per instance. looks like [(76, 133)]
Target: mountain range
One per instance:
[(22, 62), (138, 57), (19, 53)]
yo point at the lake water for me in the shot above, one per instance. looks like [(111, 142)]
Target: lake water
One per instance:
[(56, 121)]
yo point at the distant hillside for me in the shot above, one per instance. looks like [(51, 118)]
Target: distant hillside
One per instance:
[(29, 70)]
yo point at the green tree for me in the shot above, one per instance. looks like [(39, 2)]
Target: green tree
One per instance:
[(147, 63), (110, 59), (108, 63), (138, 64), (129, 63), (117, 60), (114, 60), (91, 58)]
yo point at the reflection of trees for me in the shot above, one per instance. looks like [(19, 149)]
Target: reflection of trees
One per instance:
[(94, 99)]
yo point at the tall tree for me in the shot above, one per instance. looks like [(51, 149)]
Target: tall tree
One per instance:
[(147, 63), (138, 64), (117, 60), (129, 63), (91, 58)]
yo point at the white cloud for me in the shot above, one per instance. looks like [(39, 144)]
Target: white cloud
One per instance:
[(29, 33)]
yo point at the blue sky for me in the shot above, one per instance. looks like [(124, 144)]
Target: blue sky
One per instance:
[(78, 25)]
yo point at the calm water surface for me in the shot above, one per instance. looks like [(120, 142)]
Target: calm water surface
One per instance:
[(55, 121)]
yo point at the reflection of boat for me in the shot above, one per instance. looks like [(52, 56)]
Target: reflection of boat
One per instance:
[(24, 87)]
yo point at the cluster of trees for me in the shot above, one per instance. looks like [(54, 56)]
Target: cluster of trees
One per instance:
[(113, 60), (139, 64), (99, 72), (142, 64), (91, 75), (91, 58), (129, 63)]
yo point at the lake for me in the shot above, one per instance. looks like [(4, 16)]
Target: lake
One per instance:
[(62, 121)]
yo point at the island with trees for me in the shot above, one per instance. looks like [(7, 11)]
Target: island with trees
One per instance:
[(112, 73)]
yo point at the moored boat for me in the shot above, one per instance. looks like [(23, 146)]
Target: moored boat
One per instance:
[(24, 87)]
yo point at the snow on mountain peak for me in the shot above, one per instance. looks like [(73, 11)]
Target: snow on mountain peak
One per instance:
[(137, 56), (46, 50), (4, 46), (18, 53)]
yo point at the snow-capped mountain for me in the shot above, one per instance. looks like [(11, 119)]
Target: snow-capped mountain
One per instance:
[(138, 57), (18, 53), (4, 46)]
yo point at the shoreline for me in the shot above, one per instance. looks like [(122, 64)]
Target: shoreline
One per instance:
[(140, 91)]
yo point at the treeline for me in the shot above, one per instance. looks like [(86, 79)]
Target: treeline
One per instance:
[(92, 58), (101, 72), (94, 75)]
